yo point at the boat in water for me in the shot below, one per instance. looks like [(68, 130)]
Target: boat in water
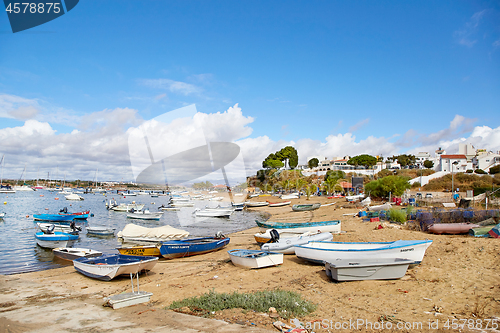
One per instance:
[(53, 217), (55, 239), (70, 253), (144, 215)]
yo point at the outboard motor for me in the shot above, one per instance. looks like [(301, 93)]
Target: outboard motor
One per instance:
[(219, 234), (275, 236), (74, 228), (50, 229), (64, 210)]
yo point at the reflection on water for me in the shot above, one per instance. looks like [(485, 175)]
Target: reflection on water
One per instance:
[(18, 249)]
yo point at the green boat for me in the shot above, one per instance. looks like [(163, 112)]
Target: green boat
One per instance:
[(306, 207)]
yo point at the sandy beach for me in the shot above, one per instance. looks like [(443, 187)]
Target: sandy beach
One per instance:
[(457, 279)]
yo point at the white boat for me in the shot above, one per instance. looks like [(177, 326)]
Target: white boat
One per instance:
[(100, 231), (289, 196), (127, 207), (321, 252), (64, 192), (145, 215), (256, 203), (378, 208), (354, 197), (55, 240), (367, 269), (2, 215), (279, 204), (108, 266), (57, 227), (182, 204), (333, 226), (136, 233), (213, 212), (74, 196), (169, 208), (216, 199), (255, 258), (70, 253), (22, 188), (286, 245)]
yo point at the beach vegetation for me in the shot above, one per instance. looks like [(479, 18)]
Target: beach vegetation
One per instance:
[(365, 160), (287, 303), (428, 164), (494, 170), (390, 185), (312, 163), (397, 215), (480, 171)]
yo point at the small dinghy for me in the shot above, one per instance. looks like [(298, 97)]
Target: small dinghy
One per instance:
[(145, 215), (305, 207), (53, 217), (255, 258), (367, 269), (279, 204), (250, 204), (69, 253), (100, 231), (333, 226), (169, 208), (213, 212), (451, 228), (148, 250), (190, 247), (55, 239), (287, 245), (321, 252), (109, 266)]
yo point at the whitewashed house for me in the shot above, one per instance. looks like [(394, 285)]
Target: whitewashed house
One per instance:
[(486, 161)]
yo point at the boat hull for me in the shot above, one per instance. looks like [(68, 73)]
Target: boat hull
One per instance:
[(321, 252), (100, 231), (300, 228), (190, 247), (304, 208), (451, 228), (107, 267), (146, 216), (143, 250), (55, 240), (287, 245), (53, 217), (373, 269), (254, 258), (75, 253)]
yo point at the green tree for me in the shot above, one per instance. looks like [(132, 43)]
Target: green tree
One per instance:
[(428, 164), (310, 189), (313, 162), (365, 160), (289, 153), (495, 169), (405, 160), (336, 174), (396, 185)]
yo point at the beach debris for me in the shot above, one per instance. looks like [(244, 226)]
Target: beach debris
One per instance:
[(379, 227), (273, 313)]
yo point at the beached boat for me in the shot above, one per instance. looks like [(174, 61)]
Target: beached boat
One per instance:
[(238, 206), (213, 212), (279, 204), (286, 245), (367, 269), (70, 253), (190, 247), (100, 231), (321, 252), (305, 207), (495, 231), (255, 258), (55, 239), (53, 217), (108, 266), (333, 226), (451, 228), (136, 233), (289, 196), (352, 198), (145, 215), (74, 197), (256, 203), (149, 250), (378, 208)]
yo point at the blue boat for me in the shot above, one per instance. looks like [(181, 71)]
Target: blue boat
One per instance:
[(190, 247), (53, 217), (301, 227), (55, 240)]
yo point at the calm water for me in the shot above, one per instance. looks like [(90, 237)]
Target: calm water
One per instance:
[(20, 253)]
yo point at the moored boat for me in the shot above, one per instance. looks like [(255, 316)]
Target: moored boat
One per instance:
[(255, 258), (145, 215), (53, 217), (333, 226), (108, 266), (74, 197), (451, 228), (55, 240), (190, 247), (305, 207), (321, 252), (70, 253), (100, 231), (213, 212)]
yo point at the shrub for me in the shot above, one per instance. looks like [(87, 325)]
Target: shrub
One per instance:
[(495, 169), (469, 171), (397, 215), (480, 171), (287, 303)]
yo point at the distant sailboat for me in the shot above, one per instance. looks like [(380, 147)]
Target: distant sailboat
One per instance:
[(23, 187), (4, 188)]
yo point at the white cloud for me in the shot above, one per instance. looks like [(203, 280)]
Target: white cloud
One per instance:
[(176, 87), (16, 107)]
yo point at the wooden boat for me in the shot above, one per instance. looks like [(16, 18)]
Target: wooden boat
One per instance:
[(255, 258), (333, 226), (190, 247), (286, 245), (495, 231), (70, 253), (256, 203), (279, 204), (305, 207), (213, 212), (145, 215), (481, 231), (53, 217), (451, 228), (100, 231), (55, 240), (367, 269), (108, 266), (151, 250), (321, 252)]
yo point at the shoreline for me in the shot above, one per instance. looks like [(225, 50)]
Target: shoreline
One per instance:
[(457, 279)]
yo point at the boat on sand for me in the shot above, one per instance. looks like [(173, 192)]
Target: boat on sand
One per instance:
[(109, 266), (255, 258)]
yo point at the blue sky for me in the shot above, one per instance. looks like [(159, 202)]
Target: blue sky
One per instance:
[(332, 78)]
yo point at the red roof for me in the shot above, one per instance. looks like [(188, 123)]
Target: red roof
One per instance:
[(454, 156)]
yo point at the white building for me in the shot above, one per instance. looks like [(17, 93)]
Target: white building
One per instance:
[(454, 163), (486, 161)]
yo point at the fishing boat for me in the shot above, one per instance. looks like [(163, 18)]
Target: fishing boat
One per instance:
[(136, 233), (238, 206), (286, 245), (305, 207), (321, 252), (451, 228), (145, 215), (190, 247), (367, 269), (2, 215), (212, 212), (279, 204), (100, 231), (55, 239), (48, 227), (182, 203), (123, 207), (150, 250), (77, 215), (255, 258), (333, 226), (109, 266), (74, 197), (256, 203), (70, 253), (169, 208), (53, 217)]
